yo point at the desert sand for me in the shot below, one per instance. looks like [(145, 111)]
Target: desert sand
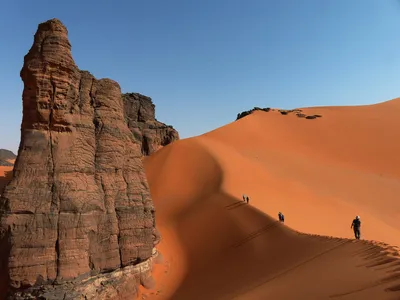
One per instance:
[(5, 175), (320, 173)]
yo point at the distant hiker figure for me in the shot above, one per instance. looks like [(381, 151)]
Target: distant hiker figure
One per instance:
[(281, 217), (356, 227), (245, 198)]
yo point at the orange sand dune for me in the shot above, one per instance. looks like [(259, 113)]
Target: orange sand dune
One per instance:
[(5, 175), (320, 173), (4, 170)]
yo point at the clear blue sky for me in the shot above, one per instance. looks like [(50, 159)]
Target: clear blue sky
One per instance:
[(202, 62)]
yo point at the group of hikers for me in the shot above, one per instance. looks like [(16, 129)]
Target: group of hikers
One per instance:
[(355, 225)]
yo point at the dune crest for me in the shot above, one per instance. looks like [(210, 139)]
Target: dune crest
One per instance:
[(320, 174)]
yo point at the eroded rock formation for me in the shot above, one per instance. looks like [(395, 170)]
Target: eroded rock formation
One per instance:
[(140, 116), (77, 220)]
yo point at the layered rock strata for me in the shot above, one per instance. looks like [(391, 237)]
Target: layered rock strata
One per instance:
[(78, 209)]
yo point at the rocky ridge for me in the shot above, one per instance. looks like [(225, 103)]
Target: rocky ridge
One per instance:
[(298, 112), (5, 157)]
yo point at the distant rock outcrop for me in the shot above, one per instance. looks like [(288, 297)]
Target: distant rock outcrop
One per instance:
[(248, 112), (5, 156), (285, 112), (140, 116), (77, 220)]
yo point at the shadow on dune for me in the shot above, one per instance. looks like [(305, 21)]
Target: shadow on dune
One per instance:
[(234, 251), (245, 254), (179, 179), (219, 250)]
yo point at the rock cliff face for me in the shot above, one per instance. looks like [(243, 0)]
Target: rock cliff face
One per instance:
[(140, 116), (77, 220)]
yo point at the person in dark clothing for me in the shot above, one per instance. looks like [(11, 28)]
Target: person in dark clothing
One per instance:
[(281, 217), (247, 199), (356, 225)]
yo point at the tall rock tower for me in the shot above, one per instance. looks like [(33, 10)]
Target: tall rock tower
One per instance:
[(77, 219)]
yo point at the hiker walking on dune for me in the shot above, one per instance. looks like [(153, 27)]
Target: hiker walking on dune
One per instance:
[(246, 199), (356, 225), (281, 217)]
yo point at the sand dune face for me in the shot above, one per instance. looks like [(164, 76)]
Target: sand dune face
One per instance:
[(319, 172), (333, 168)]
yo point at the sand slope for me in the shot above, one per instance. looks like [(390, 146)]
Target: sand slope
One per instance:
[(320, 173), (5, 175), (344, 164)]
